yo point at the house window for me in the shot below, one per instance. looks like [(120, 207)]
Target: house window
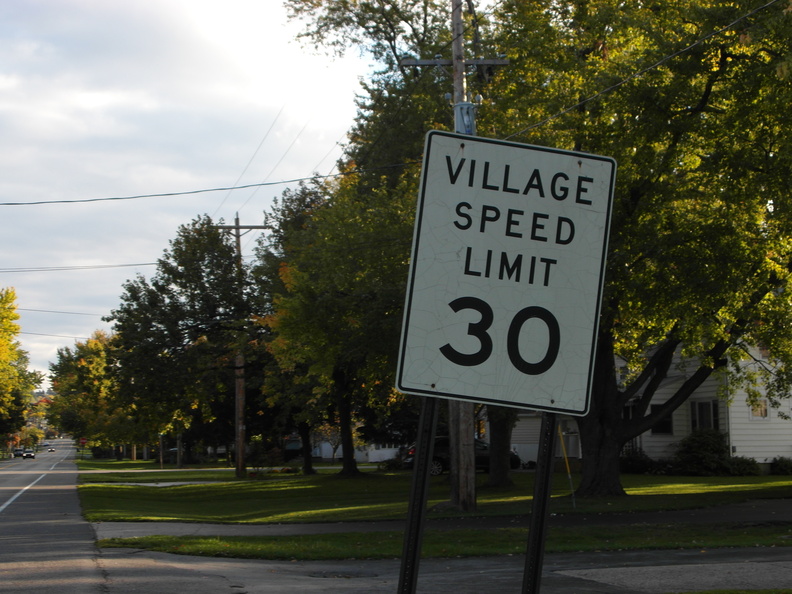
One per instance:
[(664, 426), (704, 415), (759, 410)]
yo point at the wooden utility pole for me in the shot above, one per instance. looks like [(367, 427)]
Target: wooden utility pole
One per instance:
[(460, 421), (239, 363), (461, 414), (461, 426)]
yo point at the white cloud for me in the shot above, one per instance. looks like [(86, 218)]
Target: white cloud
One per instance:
[(104, 98)]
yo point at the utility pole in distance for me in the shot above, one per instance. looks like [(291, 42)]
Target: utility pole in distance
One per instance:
[(239, 362)]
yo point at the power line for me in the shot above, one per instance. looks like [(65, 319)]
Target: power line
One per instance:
[(52, 311), (258, 148), (55, 335), (283, 156), (193, 192), (161, 195), (62, 268)]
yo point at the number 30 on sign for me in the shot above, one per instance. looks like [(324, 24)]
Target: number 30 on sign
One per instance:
[(506, 274)]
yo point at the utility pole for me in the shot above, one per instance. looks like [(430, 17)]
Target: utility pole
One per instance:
[(461, 422), (463, 488), (461, 427), (239, 362)]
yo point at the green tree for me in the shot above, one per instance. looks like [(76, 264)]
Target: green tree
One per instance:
[(177, 336), (288, 386), (85, 403), (338, 309), (303, 313), (699, 256), (17, 382), (690, 99)]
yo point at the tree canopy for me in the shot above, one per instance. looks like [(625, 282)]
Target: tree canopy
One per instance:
[(86, 403), (337, 309), (177, 335), (689, 98), (17, 382)]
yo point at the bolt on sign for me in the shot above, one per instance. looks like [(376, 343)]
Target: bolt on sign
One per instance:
[(506, 276)]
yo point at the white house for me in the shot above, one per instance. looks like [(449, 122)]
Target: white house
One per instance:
[(757, 432)]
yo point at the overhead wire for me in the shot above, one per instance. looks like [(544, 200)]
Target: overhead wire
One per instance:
[(406, 96), (62, 268), (55, 335), (252, 158), (283, 156), (52, 311)]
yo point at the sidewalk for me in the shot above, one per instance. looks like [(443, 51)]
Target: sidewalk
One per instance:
[(621, 572)]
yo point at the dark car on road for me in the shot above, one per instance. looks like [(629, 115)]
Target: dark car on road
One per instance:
[(18, 452), (441, 456)]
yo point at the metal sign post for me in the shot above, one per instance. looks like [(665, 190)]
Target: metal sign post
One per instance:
[(541, 499), (416, 513)]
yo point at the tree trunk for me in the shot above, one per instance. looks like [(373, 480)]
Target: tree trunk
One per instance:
[(600, 464), (501, 422), (179, 456), (601, 432), (307, 454), (348, 462)]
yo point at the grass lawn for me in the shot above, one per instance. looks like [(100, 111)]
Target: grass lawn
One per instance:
[(462, 543), (130, 492), (131, 495)]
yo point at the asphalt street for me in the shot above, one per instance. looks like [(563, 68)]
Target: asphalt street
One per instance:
[(47, 547), (603, 573)]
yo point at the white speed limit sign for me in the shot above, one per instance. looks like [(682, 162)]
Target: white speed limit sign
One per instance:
[(506, 274)]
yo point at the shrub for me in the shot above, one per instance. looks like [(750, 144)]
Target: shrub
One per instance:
[(634, 460), (702, 453), (391, 464), (781, 465), (742, 466), (705, 452)]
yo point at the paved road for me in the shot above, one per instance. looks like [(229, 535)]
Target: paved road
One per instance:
[(607, 573), (46, 547)]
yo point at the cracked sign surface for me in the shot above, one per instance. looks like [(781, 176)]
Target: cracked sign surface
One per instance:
[(506, 274)]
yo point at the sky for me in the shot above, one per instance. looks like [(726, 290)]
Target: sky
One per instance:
[(118, 98)]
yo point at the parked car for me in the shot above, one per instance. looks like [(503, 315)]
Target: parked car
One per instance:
[(18, 452), (441, 456), (28, 454)]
